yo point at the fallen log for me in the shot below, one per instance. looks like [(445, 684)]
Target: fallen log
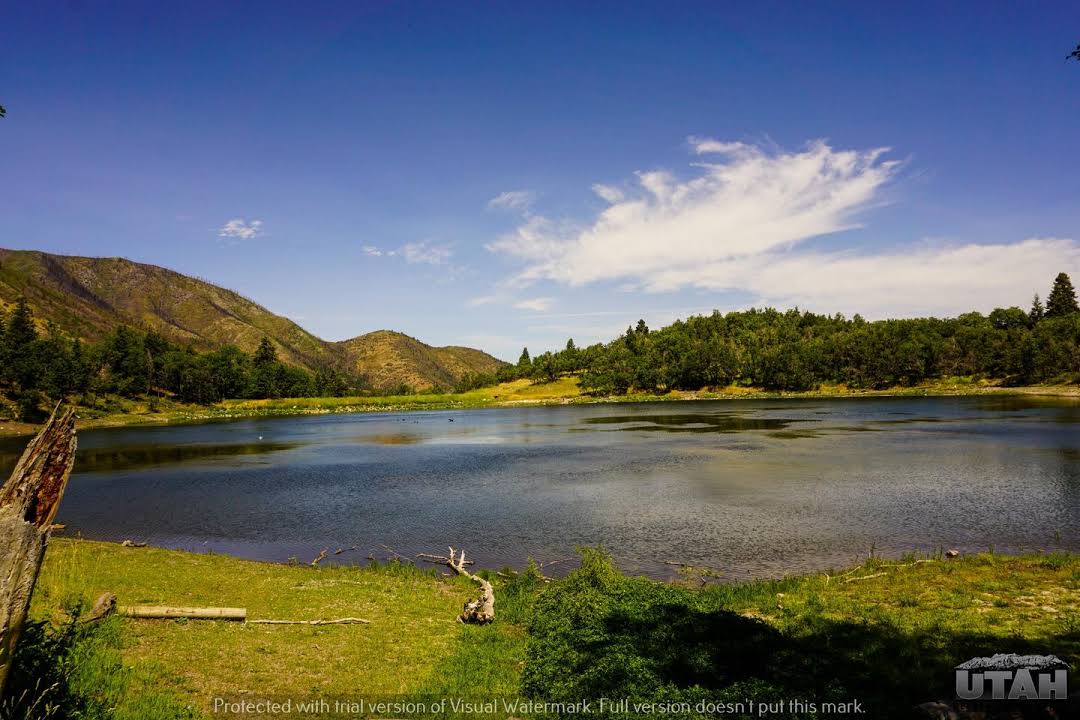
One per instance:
[(481, 610), (28, 503), (163, 612)]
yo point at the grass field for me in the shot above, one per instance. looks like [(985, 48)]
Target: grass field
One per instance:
[(888, 629), (121, 412)]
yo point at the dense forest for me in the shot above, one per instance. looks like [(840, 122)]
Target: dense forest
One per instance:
[(797, 350), (792, 350), (37, 368)]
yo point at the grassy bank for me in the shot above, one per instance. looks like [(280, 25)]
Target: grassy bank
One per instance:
[(123, 412), (885, 634)]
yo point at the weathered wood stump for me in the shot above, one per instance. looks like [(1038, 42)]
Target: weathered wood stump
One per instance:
[(481, 610), (28, 504)]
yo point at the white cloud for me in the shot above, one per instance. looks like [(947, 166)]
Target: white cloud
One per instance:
[(740, 223), (540, 304), (609, 193), (425, 252), (749, 203), (520, 200), (372, 251), (927, 280), (239, 229)]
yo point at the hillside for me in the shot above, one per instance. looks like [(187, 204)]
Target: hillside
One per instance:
[(389, 358), (88, 297)]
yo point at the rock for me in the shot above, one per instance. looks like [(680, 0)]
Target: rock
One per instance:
[(952, 554), (132, 543)]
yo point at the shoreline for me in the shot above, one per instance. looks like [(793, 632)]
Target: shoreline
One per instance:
[(510, 395)]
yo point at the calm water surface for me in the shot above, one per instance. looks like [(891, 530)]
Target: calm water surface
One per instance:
[(754, 488)]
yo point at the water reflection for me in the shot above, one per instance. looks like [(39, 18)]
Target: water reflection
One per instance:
[(694, 422), (148, 456), (753, 487)]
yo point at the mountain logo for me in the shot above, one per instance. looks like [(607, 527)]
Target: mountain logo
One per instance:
[(1013, 677)]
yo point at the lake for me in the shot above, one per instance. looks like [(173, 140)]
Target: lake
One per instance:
[(754, 488)]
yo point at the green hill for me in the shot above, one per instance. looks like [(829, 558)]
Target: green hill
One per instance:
[(88, 297), (389, 358)]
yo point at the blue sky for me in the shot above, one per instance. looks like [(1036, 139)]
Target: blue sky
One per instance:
[(503, 174)]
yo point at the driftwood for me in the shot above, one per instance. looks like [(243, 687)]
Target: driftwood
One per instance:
[(339, 621), (439, 559), (163, 612), (160, 612), (481, 610), (28, 504)]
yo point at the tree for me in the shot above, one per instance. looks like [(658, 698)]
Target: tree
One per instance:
[(21, 359), (524, 362), (1062, 298), (1037, 310), (265, 377), (265, 354)]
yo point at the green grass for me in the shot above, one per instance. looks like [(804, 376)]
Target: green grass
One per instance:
[(888, 639), (113, 411)]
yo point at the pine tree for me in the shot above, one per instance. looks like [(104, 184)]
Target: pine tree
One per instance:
[(20, 330), (524, 361), (265, 354), (1037, 310), (20, 350), (1062, 298)]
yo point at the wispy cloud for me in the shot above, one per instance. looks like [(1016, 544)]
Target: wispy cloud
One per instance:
[(520, 200), (240, 229), (740, 221), (422, 253), (540, 304), (426, 253)]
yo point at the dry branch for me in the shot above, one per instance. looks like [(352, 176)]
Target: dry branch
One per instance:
[(865, 577), (28, 504), (339, 621), (439, 559), (481, 610)]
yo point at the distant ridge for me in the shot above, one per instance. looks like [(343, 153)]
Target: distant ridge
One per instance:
[(88, 297)]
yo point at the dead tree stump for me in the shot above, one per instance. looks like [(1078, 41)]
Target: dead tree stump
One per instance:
[(28, 504), (481, 610)]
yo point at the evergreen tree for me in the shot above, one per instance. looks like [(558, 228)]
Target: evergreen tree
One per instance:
[(20, 331), (1062, 298), (1037, 310), (21, 359), (265, 354), (267, 376), (524, 362)]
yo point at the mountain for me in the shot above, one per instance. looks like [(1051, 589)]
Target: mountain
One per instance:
[(88, 297), (390, 358)]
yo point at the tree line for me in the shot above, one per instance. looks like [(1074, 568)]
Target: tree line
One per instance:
[(37, 368), (796, 350)]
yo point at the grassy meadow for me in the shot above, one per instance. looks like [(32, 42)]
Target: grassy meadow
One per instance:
[(886, 633), (117, 412)]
